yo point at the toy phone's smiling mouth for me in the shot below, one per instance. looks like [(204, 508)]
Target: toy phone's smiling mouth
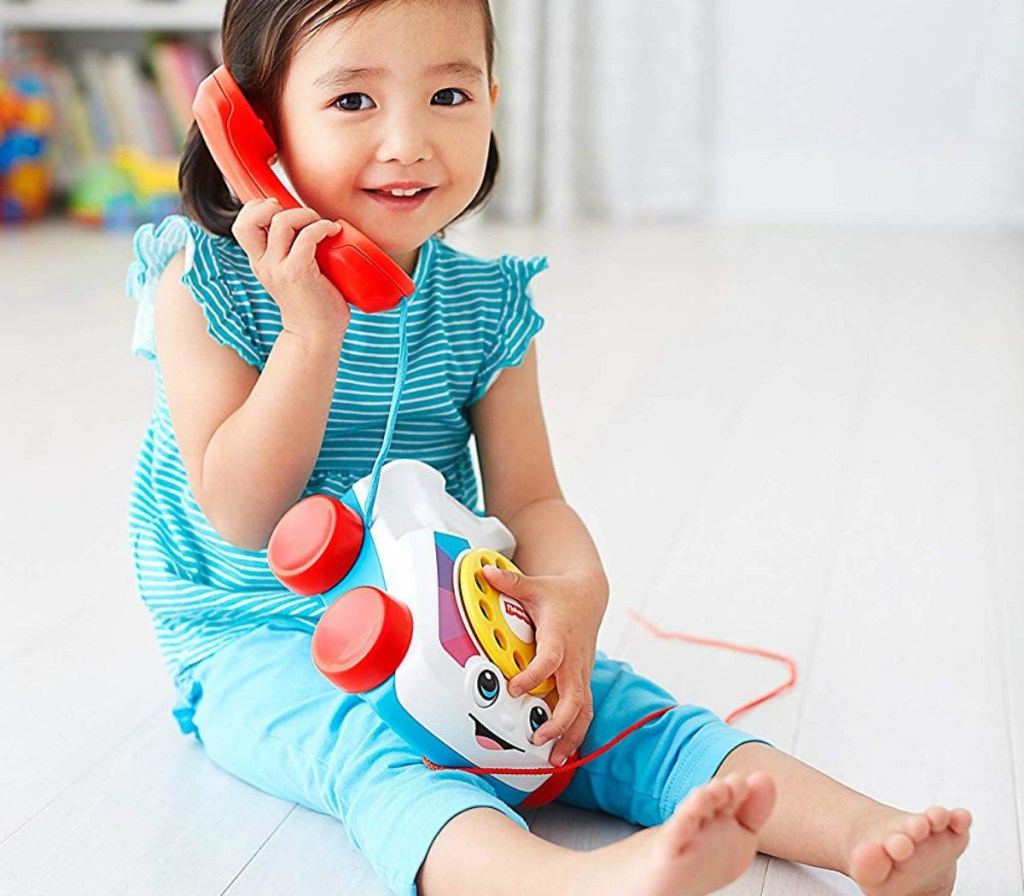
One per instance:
[(489, 740)]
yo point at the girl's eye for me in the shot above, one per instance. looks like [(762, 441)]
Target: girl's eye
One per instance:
[(345, 102), (353, 102), (447, 96)]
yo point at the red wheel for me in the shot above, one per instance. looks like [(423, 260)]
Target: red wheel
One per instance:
[(361, 639), (315, 544)]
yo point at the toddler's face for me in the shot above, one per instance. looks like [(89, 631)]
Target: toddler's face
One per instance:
[(339, 137)]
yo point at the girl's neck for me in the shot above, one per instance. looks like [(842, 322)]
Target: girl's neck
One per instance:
[(407, 260)]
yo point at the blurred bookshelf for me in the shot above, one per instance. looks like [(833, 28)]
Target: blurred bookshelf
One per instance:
[(70, 15), (104, 91)]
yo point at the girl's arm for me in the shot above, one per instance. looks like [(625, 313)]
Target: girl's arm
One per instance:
[(520, 485), (564, 587), (248, 439)]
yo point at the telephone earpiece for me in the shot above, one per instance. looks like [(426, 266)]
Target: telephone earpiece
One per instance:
[(243, 149)]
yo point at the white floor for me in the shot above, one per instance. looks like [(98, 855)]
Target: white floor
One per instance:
[(809, 440)]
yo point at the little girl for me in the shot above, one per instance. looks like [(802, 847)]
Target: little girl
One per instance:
[(269, 387)]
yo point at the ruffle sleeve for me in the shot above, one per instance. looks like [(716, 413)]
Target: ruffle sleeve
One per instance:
[(517, 323), (228, 315)]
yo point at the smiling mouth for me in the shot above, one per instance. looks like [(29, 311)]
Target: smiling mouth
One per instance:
[(489, 740), (385, 194), (419, 191)]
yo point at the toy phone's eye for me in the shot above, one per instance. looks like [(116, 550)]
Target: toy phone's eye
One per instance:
[(345, 102), (483, 682), (487, 688), (536, 715)]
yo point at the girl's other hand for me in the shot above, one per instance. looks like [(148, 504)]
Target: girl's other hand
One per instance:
[(567, 612), (281, 245)]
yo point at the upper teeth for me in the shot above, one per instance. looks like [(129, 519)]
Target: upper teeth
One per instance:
[(405, 192)]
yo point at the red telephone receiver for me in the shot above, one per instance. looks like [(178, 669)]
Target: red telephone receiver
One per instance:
[(242, 148)]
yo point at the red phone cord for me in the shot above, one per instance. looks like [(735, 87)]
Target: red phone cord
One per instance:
[(677, 636)]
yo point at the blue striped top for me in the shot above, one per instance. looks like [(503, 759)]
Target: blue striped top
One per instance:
[(468, 319)]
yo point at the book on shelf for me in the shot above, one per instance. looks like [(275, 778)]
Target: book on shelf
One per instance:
[(122, 99)]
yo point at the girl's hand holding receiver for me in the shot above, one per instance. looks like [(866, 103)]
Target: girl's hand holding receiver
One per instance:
[(281, 245), (567, 613)]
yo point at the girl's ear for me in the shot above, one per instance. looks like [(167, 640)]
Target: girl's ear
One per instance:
[(494, 92)]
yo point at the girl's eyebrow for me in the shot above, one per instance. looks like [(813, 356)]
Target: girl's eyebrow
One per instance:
[(341, 75)]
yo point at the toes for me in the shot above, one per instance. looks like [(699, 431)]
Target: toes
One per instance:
[(870, 864), (899, 846), (698, 805), (738, 785), (959, 820), (683, 825), (704, 803), (690, 814), (720, 794), (917, 828), (758, 805), (938, 818), (731, 798)]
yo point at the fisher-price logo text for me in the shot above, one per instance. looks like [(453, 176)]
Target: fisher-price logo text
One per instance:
[(512, 609)]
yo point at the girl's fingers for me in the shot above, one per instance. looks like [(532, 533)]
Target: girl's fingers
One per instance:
[(304, 247), (541, 667), (577, 730), (251, 225), (571, 700), (283, 228), (509, 582), (572, 740)]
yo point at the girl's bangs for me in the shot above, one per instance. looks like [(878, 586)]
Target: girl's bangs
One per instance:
[(323, 14)]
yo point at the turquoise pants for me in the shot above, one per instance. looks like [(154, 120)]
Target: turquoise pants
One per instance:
[(265, 714)]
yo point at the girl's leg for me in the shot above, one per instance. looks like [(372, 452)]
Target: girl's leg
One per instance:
[(265, 714), (815, 817), (646, 775), (482, 845), (818, 821), (708, 842)]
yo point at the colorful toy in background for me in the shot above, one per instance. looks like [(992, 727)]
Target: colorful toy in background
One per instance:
[(26, 129), (128, 190)]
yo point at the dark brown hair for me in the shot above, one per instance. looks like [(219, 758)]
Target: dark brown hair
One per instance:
[(257, 40)]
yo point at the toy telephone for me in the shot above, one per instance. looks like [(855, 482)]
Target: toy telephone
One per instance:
[(414, 628), (242, 148)]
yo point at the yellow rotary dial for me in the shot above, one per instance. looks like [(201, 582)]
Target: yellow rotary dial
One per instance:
[(501, 625)]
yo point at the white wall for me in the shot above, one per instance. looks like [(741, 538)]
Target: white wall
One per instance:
[(901, 112)]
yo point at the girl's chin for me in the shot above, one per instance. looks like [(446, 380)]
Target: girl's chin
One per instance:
[(393, 244), (399, 244), (395, 234), (392, 237)]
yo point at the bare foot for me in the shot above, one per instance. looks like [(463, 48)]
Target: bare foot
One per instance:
[(901, 854), (709, 841)]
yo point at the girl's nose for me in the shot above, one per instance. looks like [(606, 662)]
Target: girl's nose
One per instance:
[(404, 140)]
